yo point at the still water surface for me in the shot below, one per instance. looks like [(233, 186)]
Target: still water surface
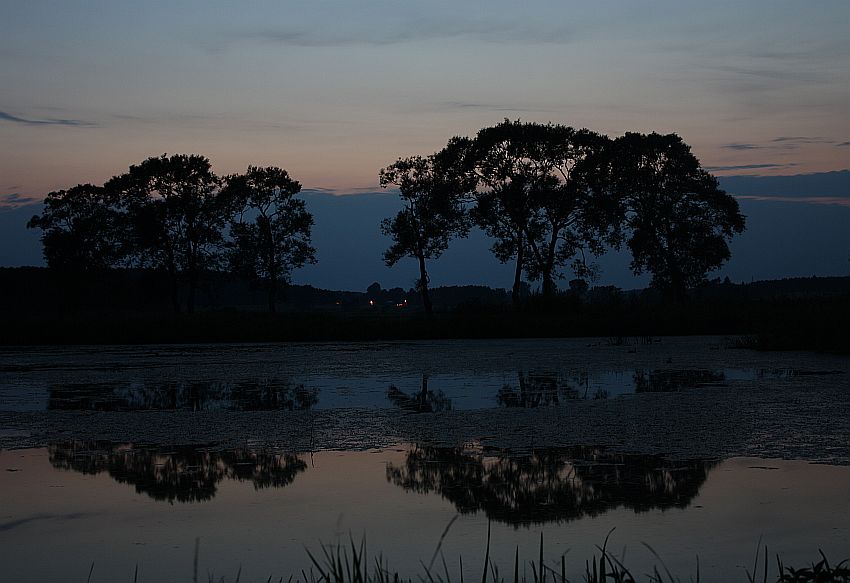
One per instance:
[(79, 499), (418, 376), (118, 505)]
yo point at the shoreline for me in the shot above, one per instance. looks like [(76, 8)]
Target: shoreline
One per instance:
[(817, 325)]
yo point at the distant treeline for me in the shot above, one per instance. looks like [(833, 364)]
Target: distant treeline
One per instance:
[(38, 289), (551, 197), (43, 306)]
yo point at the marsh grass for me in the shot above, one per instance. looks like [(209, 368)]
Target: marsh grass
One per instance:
[(351, 563)]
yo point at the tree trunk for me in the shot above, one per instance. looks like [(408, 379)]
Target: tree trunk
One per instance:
[(548, 285), (273, 295), (549, 266), (423, 286), (193, 285), (172, 276), (423, 394), (193, 280), (679, 291), (523, 390), (515, 293), (175, 291), (271, 265)]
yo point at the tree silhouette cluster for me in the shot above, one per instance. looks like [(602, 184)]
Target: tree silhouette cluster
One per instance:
[(423, 401), (539, 389), (181, 473), (550, 195), (173, 214), (549, 485), (182, 395)]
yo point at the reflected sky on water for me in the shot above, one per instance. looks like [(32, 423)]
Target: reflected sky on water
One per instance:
[(122, 504)]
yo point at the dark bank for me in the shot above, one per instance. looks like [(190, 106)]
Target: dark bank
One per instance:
[(127, 306)]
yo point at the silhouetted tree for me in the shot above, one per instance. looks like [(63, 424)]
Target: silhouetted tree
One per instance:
[(554, 484), (270, 229), (579, 287), (180, 473), (374, 290), (678, 219), (81, 230), (504, 162), (246, 395), (537, 390), (176, 215), (423, 401), (433, 194), (538, 202)]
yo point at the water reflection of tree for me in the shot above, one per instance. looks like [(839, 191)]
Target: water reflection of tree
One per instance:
[(549, 485), (423, 401), (177, 474), (184, 395), (669, 380), (540, 389)]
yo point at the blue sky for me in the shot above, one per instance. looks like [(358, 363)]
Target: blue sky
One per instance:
[(334, 90)]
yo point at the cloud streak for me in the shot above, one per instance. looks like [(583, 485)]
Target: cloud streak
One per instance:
[(747, 167), (45, 122), (802, 140), (413, 30), (820, 188), (781, 143), (781, 74), (455, 105), (819, 200), (15, 199), (741, 147)]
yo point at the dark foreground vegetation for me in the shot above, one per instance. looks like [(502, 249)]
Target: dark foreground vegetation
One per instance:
[(122, 307), (352, 564)]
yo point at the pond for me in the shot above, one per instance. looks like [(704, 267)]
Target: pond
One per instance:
[(124, 456), (417, 376)]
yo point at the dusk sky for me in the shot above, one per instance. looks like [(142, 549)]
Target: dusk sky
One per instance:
[(334, 90)]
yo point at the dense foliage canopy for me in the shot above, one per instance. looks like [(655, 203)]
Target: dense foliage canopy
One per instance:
[(550, 196)]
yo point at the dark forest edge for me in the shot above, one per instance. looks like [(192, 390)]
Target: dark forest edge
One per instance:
[(124, 307)]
